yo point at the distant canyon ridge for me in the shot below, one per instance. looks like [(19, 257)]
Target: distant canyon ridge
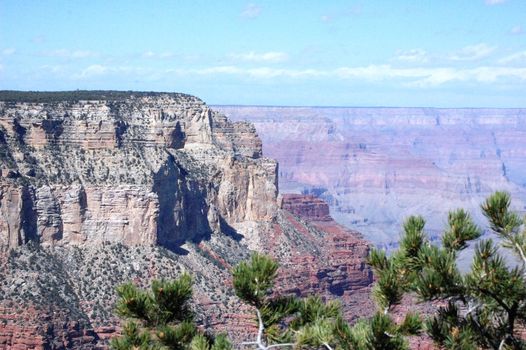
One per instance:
[(376, 166)]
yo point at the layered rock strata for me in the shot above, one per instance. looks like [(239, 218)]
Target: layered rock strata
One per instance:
[(84, 176), (376, 166), (136, 169), (330, 260), (101, 188)]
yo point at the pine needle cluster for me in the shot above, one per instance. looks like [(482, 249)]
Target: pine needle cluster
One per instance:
[(483, 306), (162, 318)]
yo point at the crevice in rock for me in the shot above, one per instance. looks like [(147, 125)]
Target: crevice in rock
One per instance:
[(29, 218)]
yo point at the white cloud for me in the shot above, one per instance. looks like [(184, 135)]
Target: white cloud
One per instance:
[(251, 11), (472, 52), (517, 30), (516, 57), (69, 54), (495, 2), (272, 56), (492, 74), (8, 51), (151, 54), (92, 71), (419, 77), (412, 77), (413, 56)]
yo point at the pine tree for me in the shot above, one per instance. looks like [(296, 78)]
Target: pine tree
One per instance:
[(161, 318), (482, 306), (310, 323)]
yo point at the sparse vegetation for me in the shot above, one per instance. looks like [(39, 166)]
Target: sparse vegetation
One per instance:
[(481, 309), (78, 95)]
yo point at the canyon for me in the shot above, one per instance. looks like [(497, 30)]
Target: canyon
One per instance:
[(376, 166), (98, 188)]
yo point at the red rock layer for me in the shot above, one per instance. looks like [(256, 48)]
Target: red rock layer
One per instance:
[(328, 259), (29, 328), (307, 207)]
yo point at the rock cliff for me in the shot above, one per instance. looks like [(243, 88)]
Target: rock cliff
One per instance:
[(135, 169), (101, 188), (329, 261)]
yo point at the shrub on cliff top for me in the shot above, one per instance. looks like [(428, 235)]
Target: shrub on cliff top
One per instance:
[(310, 323)]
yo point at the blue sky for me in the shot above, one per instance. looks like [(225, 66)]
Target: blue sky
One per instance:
[(442, 53)]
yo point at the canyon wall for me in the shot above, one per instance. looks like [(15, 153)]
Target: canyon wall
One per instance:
[(376, 166), (101, 188), (142, 169)]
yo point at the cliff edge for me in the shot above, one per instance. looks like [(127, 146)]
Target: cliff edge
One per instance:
[(133, 168), (98, 188)]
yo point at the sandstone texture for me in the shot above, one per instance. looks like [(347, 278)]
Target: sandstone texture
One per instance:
[(376, 166), (137, 169), (86, 176), (329, 261), (101, 188)]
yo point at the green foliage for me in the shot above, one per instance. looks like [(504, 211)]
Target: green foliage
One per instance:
[(451, 330), (74, 96), (411, 325), (134, 303), (388, 291), (506, 223), (172, 298), (161, 318), (178, 336), (384, 333), (496, 209), (132, 337), (312, 323), (414, 237), (461, 230), (439, 275), (167, 302), (378, 259), (254, 279), (200, 342), (483, 306)]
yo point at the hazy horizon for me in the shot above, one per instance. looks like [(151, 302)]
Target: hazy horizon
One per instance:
[(282, 106), (338, 53)]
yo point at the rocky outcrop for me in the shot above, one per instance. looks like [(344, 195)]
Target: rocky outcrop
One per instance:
[(307, 207), (134, 168), (321, 257), (85, 175)]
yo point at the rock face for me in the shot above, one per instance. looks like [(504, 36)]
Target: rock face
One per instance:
[(84, 176), (330, 260), (376, 166), (136, 169), (306, 207), (101, 188)]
